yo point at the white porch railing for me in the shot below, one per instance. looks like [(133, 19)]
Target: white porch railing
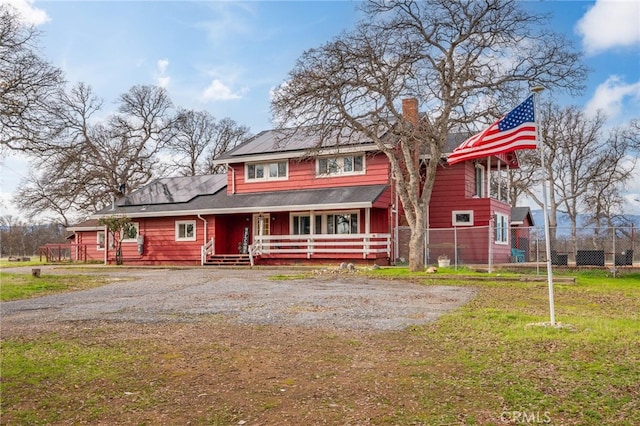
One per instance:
[(356, 244), (207, 249)]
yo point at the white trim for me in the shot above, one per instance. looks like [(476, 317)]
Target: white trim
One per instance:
[(84, 228), (104, 240), (341, 171), (266, 171), (178, 223), (502, 226), (454, 219), (285, 155), (483, 171), (360, 205)]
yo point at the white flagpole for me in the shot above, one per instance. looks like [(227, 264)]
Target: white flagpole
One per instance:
[(547, 235)]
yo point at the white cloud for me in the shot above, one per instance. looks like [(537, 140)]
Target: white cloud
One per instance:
[(29, 13), (610, 97), (162, 79), (608, 24), (218, 91)]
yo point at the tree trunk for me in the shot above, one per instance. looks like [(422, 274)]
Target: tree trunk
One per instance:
[(416, 246)]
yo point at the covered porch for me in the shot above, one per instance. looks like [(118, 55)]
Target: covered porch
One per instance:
[(344, 224)]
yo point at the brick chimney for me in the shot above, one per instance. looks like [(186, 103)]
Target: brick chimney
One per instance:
[(410, 110)]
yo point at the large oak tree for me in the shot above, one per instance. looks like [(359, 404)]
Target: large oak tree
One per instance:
[(27, 84), (467, 62)]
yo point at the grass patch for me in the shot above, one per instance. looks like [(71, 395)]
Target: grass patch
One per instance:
[(35, 261), (49, 375), (23, 286), (488, 362), (289, 277)]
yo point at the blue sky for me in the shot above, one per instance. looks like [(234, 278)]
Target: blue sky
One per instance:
[(226, 57)]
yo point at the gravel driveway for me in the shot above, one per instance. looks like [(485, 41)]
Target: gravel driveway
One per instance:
[(345, 301)]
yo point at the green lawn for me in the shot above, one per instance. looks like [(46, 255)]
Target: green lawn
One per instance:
[(22, 286)]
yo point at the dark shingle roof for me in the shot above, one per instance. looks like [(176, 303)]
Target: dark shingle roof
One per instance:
[(519, 214), (290, 141), (360, 196)]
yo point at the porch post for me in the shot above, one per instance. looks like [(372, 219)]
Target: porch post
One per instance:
[(488, 177), (499, 182), (367, 231), (106, 245)]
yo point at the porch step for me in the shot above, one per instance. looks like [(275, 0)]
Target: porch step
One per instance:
[(228, 260)]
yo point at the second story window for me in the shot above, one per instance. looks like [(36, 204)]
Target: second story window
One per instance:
[(267, 171), (336, 166), (479, 181)]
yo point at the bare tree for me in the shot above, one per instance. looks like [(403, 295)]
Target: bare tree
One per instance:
[(586, 166), (604, 195), (200, 139), (23, 239), (465, 61), (87, 165), (27, 84)]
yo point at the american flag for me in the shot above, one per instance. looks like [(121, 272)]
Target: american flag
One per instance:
[(514, 131)]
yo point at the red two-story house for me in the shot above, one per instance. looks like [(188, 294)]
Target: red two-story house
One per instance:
[(278, 204)]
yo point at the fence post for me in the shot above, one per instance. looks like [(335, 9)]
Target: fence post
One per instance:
[(490, 243), (614, 269), (455, 248)]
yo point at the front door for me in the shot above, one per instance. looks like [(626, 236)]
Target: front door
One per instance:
[(261, 228)]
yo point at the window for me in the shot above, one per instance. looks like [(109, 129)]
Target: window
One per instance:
[(479, 181), (130, 232), (462, 218), (325, 223), (100, 240), (340, 165), (186, 230), (502, 228), (301, 225), (342, 223), (267, 171)]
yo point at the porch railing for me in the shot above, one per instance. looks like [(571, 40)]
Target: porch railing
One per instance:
[(308, 245), (208, 249)]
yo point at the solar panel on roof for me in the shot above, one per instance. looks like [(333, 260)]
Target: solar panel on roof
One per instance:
[(272, 141), (175, 190)]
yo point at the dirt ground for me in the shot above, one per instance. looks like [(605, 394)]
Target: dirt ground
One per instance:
[(331, 298), (214, 346)]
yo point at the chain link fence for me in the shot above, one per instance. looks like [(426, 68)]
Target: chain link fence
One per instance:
[(610, 247), (488, 245)]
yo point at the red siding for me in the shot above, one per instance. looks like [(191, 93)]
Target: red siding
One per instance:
[(86, 248), (160, 245), (302, 175), (453, 189), (452, 184)]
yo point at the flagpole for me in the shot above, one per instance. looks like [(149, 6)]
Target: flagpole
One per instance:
[(547, 235)]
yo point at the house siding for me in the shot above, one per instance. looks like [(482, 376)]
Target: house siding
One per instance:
[(302, 175), (454, 189), (86, 247), (160, 245)]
